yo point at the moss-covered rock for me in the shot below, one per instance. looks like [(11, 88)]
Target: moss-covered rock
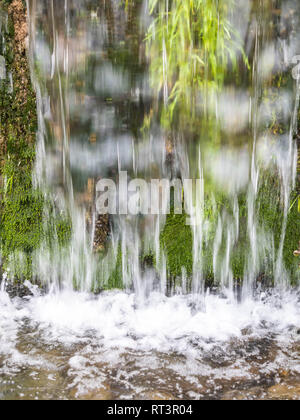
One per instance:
[(22, 228), (177, 241), (21, 207)]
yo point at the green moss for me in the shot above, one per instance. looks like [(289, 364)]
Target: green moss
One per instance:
[(22, 207), (291, 243), (21, 221), (22, 227), (177, 241), (63, 227), (270, 212), (238, 260), (115, 280), (241, 247), (177, 238)]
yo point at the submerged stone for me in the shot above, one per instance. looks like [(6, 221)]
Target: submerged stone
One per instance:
[(17, 290)]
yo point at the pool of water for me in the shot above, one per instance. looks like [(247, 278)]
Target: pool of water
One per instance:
[(72, 345)]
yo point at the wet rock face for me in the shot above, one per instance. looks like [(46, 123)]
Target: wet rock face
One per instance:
[(286, 392), (101, 232), (17, 290), (22, 82)]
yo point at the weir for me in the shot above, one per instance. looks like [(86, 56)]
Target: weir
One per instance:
[(181, 118)]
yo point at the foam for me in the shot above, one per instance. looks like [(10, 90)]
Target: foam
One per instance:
[(99, 330)]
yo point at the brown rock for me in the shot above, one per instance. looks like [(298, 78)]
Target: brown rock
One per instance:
[(284, 392), (243, 395), (158, 396), (101, 394), (101, 232), (93, 138), (284, 373)]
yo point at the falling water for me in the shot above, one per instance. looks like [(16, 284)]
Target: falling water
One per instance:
[(104, 79), (92, 109)]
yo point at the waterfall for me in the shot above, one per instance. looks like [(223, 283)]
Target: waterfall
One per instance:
[(102, 115), (161, 214)]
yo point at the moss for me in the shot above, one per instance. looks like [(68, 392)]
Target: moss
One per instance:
[(63, 228), (115, 280), (177, 238), (22, 227), (22, 221), (238, 259), (241, 247), (21, 207), (270, 212), (291, 243), (177, 241)]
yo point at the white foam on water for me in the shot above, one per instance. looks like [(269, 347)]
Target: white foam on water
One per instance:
[(12, 314), (160, 323), (96, 331)]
